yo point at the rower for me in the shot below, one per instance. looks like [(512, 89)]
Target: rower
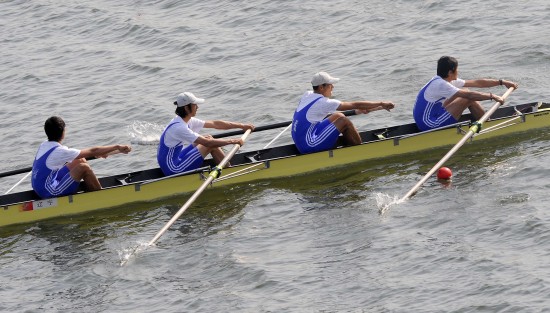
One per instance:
[(57, 170), (181, 148), (316, 124), (443, 99)]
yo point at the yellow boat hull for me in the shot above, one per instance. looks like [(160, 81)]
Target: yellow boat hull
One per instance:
[(32, 211)]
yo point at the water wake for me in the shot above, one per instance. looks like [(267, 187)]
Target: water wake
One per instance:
[(145, 133), (127, 254), (385, 201)]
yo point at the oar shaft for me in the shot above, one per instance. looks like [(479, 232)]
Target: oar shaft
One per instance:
[(457, 146), (199, 190), (259, 128), (17, 184), (268, 127), (15, 172), (238, 173), (277, 137), (438, 165), (181, 210), (28, 169)]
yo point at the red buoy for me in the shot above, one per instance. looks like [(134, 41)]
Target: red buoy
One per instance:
[(444, 173)]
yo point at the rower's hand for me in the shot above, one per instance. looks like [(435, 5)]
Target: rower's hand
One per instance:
[(382, 105), (118, 149), (498, 98), (247, 126), (509, 84), (387, 105), (235, 141), (124, 149)]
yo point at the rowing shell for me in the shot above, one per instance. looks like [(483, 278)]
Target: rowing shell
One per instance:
[(283, 161)]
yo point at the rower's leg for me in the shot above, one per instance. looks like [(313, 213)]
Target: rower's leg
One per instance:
[(81, 170), (459, 105), (217, 153), (346, 127), (476, 109)]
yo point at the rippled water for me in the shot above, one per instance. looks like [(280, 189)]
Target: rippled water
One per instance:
[(313, 243)]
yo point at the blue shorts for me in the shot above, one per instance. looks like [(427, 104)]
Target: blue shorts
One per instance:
[(432, 115), (59, 183), (320, 136), (187, 159)]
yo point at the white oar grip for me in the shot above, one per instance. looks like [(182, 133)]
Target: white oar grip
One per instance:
[(508, 92), (245, 135)]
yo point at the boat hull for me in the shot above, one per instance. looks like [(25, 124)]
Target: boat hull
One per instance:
[(285, 161)]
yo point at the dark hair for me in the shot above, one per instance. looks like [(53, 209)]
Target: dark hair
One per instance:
[(315, 88), (54, 128), (446, 64), (180, 111)]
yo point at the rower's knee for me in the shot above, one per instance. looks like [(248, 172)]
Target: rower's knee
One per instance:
[(337, 116), (341, 121), (80, 169), (77, 164), (85, 166), (204, 150)]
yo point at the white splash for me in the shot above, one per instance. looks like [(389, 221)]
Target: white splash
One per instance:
[(126, 254), (385, 201), (145, 133)]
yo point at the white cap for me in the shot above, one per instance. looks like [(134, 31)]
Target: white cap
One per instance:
[(186, 98), (323, 78)]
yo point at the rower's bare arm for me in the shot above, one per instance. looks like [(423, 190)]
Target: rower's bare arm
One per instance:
[(211, 142), (468, 94), (366, 106), (473, 95), (220, 124), (104, 151), (486, 83)]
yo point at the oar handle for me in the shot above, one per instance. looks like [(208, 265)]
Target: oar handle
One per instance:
[(232, 152), (492, 110), (508, 92)]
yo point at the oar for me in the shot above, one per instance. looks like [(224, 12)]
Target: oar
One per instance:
[(238, 173), (17, 184), (28, 169), (213, 175), (277, 137), (268, 127), (473, 129), (15, 172)]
